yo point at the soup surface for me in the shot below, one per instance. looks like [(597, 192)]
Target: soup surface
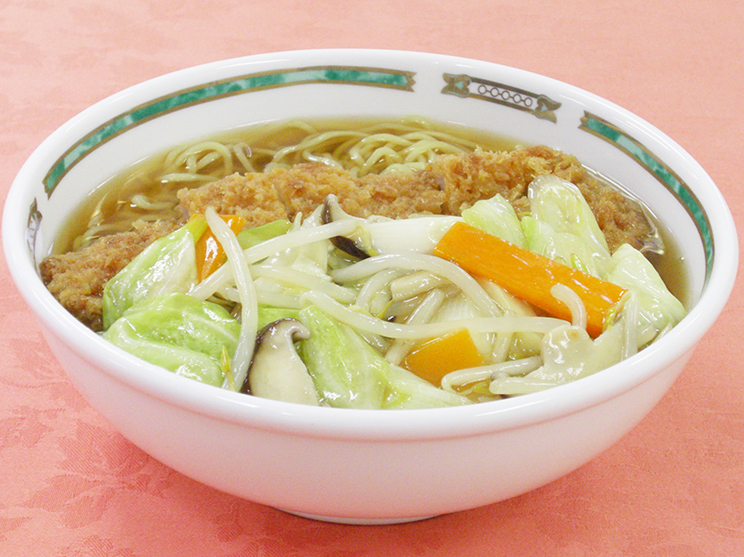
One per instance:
[(362, 146)]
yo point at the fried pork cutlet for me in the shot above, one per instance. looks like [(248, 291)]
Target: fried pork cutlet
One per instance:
[(447, 185), (77, 278), (465, 179), (302, 188)]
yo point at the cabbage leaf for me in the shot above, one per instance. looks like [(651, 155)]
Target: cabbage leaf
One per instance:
[(180, 333), (567, 229), (568, 354), (349, 373), (658, 307), (165, 266), (496, 216), (249, 237)]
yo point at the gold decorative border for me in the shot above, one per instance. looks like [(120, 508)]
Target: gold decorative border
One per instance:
[(466, 86)]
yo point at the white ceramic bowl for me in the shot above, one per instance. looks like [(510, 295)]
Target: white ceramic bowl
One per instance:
[(354, 465)]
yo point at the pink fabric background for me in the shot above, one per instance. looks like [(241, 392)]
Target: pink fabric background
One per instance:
[(71, 486)]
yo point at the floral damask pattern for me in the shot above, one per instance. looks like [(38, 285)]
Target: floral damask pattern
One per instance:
[(83, 489), (71, 486)]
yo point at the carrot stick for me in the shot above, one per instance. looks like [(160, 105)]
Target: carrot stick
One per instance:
[(436, 358), (209, 252), (528, 275)]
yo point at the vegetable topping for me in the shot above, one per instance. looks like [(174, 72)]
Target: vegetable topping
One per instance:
[(528, 275), (380, 313)]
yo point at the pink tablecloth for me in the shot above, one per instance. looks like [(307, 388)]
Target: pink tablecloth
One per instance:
[(71, 486)]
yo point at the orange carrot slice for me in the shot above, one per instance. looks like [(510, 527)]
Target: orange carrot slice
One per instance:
[(528, 275), (209, 252), (435, 358)]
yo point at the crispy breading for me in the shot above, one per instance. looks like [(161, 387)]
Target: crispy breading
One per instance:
[(481, 175), (287, 192), (77, 278), (250, 196), (402, 194), (466, 179), (305, 186)]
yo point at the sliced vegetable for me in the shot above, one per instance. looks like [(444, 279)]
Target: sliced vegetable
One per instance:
[(209, 252), (563, 247), (347, 372), (180, 333), (657, 306), (528, 275), (249, 237), (417, 234), (408, 391), (568, 353), (436, 358), (458, 307), (496, 216), (167, 265), (524, 343), (573, 231), (277, 372), (306, 255)]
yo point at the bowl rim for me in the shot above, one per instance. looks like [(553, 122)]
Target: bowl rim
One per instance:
[(290, 418)]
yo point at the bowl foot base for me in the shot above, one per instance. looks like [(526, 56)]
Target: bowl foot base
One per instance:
[(358, 521)]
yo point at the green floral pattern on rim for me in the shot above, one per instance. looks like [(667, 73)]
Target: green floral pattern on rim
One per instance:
[(615, 136), (372, 77)]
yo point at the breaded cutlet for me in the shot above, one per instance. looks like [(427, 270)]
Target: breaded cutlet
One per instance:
[(447, 185)]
